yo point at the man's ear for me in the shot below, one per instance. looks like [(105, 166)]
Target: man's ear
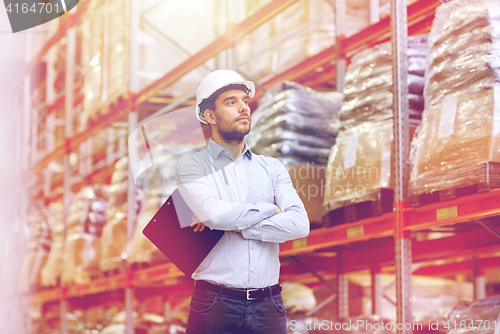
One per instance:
[(209, 116)]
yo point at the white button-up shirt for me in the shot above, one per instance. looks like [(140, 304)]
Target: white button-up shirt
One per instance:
[(241, 195)]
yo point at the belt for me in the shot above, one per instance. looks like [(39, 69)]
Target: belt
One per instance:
[(245, 294)]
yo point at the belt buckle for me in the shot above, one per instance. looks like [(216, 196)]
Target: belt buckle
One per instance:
[(248, 294)]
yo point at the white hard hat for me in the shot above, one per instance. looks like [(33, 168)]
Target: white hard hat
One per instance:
[(215, 81)]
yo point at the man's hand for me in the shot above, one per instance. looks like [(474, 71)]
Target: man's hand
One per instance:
[(278, 210), (196, 222)]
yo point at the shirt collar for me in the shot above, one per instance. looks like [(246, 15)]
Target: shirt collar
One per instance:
[(216, 149)]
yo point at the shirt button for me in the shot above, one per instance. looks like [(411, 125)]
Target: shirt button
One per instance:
[(274, 240), (248, 225), (253, 247), (251, 237), (253, 270), (241, 182)]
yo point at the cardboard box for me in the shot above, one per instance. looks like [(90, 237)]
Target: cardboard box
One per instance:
[(309, 181)]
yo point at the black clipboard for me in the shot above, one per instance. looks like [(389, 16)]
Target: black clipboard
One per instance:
[(184, 247)]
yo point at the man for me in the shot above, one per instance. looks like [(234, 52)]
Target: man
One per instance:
[(252, 199)]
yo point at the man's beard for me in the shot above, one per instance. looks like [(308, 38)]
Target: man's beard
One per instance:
[(229, 132)]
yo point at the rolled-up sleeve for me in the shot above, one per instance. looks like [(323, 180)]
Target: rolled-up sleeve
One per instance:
[(197, 190), (292, 223)]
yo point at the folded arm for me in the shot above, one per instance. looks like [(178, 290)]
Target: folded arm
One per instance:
[(198, 191), (292, 223)]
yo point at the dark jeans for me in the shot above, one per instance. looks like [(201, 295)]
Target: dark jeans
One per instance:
[(213, 313)]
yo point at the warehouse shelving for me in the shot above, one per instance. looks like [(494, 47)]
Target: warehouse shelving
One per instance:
[(369, 240)]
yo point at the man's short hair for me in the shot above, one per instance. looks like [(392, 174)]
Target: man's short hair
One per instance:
[(209, 103)]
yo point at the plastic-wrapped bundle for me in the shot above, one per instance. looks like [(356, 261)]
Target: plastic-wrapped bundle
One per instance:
[(82, 247), (368, 94), (37, 251), (51, 271), (464, 49), (458, 141), (295, 124), (483, 317), (114, 232), (293, 150), (359, 165)]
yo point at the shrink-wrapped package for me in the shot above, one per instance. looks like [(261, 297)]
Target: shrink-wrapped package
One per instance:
[(464, 49), (302, 30), (166, 40), (82, 247), (141, 249), (295, 124), (479, 317), (114, 232), (368, 93), (359, 165), (37, 251), (104, 43), (458, 145), (51, 272)]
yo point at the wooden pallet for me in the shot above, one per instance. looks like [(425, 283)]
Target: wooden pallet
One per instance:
[(489, 176), (382, 203)]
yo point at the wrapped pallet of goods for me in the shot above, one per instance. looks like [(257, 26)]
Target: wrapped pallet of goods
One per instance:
[(51, 272), (105, 54), (37, 250), (457, 152), (359, 173), (161, 50), (82, 247), (298, 125), (302, 30), (154, 192), (481, 316), (368, 93), (295, 124), (156, 184), (114, 232)]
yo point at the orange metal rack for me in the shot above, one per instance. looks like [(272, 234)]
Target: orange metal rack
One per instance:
[(313, 72)]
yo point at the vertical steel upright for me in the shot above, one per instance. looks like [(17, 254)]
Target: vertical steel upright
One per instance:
[(25, 165), (478, 280), (232, 16), (340, 12), (377, 290), (69, 84), (134, 20), (343, 288), (342, 278), (374, 11), (402, 240)]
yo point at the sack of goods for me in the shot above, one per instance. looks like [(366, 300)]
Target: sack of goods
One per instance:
[(459, 145), (368, 93), (295, 124), (82, 247)]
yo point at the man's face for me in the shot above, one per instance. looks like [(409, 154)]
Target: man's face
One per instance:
[(232, 114)]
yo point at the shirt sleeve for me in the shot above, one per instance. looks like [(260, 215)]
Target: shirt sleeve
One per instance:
[(292, 223), (197, 190)]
